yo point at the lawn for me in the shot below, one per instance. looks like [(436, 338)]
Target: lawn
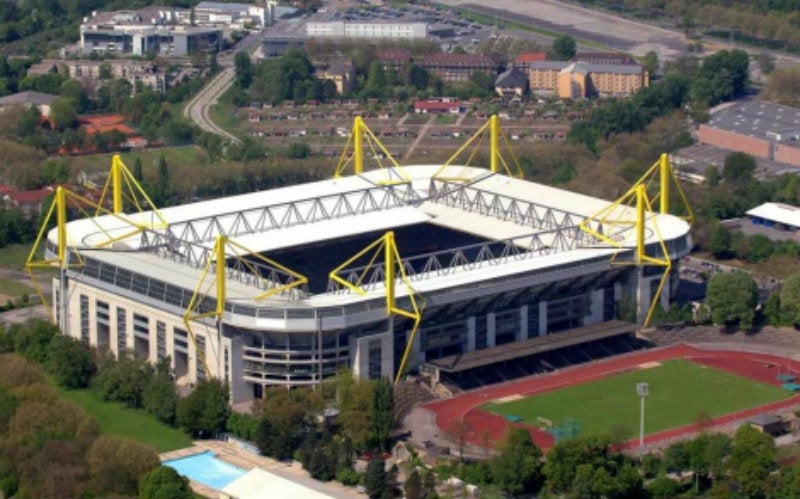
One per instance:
[(679, 392), (183, 155), (14, 256), (115, 419)]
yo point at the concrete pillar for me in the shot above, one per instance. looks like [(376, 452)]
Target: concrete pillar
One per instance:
[(595, 307), (522, 330), (387, 351), (490, 330), (240, 390), (543, 318), (642, 295), (470, 346)]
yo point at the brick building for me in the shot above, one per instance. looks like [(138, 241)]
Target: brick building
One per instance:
[(761, 129), (458, 67), (580, 79)]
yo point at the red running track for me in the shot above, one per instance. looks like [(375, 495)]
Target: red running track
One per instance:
[(486, 428)]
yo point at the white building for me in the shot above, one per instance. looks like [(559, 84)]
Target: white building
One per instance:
[(373, 29)]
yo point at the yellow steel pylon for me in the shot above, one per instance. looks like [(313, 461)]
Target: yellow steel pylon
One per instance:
[(393, 265), (124, 187), (662, 173), (63, 200), (497, 163), (361, 131), (613, 225), (225, 248)]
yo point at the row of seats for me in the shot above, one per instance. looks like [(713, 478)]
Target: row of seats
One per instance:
[(542, 363)]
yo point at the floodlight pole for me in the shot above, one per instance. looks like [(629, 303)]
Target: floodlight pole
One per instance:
[(642, 390)]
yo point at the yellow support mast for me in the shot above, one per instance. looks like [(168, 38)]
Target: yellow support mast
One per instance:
[(225, 248), (63, 199), (361, 134), (393, 265), (123, 187), (497, 163), (614, 226)]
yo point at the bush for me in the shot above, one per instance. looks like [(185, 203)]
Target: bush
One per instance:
[(349, 476)]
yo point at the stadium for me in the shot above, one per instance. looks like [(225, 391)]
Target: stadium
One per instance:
[(436, 268)]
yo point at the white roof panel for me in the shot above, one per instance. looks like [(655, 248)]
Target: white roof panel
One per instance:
[(777, 212), (261, 484)]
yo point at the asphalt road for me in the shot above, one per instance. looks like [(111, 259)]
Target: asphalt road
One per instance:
[(198, 108), (617, 33)]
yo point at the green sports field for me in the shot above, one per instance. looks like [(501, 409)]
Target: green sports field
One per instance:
[(679, 391)]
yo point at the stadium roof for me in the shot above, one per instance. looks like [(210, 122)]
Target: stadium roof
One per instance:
[(777, 212), (397, 206)]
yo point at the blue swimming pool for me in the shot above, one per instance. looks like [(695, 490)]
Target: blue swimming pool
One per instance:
[(206, 469)]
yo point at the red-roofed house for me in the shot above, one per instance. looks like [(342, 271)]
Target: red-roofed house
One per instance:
[(443, 105), (523, 60), (29, 202), (458, 67)]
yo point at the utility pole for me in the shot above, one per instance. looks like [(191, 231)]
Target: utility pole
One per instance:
[(642, 390)]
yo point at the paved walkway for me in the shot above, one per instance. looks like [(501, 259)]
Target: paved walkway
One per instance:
[(233, 454)]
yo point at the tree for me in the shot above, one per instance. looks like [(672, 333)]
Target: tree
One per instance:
[(204, 412), (298, 150), (650, 63), (162, 182), (790, 298), (563, 48), (382, 420), (751, 461), (517, 468), (376, 80), (375, 479), (738, 168), (412, 488), (719, 243), (243, 67), (160, 398), (732, 297), (117, 464), (712, 176), (70, 362), (137, 169), (164, 482), (64, 113), (459, 430)]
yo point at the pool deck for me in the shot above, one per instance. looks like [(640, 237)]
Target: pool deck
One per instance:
[(233, 454)]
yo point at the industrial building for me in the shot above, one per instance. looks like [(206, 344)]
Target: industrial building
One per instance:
[(758, 128), (383, 271)]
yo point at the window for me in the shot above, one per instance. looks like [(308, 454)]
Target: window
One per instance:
[(201, 357), (84, 311), (161, 340), (374, 370), (122, 329), (141, 326)]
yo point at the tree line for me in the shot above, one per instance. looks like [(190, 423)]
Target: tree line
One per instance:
[(49, 446), (710, 465)]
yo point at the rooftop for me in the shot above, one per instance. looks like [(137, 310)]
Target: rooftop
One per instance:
[(29, 97), (540, 223), (759, 119), (777, 212)]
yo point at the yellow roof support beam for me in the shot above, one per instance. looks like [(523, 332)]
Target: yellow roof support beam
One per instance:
[(360, 132), (497, 162), (613, 226), (393, 266), (225, 248), (124, 187), (64, 200)]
